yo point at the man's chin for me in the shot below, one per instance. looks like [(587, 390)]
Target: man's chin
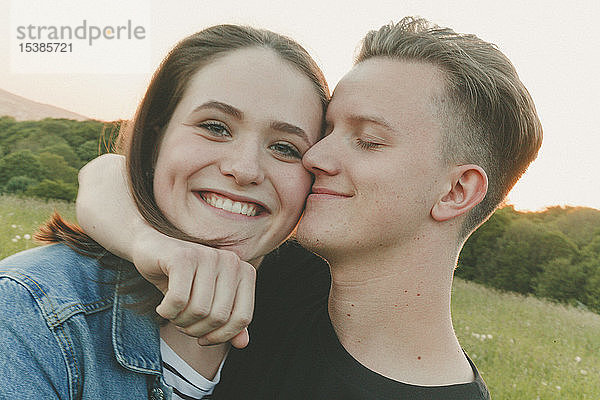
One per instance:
[(309, 238)]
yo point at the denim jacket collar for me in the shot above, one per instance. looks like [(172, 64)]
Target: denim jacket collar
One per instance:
[(135, 337)]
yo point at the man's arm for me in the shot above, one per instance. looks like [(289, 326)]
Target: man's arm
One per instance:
[(209, 293), (105, 208)]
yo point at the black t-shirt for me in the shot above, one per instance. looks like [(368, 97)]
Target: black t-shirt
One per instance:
[(294, 352)]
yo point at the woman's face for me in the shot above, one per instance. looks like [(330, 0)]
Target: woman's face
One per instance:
[(230, 161)]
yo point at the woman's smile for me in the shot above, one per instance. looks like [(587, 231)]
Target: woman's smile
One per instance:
[(232, 205)]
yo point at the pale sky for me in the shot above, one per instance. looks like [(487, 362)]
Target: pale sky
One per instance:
[(553, 44)]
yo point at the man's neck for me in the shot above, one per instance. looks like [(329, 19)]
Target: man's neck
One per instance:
[(391, 311)]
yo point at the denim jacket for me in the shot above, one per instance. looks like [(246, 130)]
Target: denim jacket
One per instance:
[(66, 335)]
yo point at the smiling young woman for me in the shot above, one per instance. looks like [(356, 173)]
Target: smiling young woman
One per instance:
[(214, 156)]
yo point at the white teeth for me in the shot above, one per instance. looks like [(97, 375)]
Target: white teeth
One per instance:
[(227, 204)]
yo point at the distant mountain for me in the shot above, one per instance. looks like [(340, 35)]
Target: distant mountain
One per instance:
[(23, 109)]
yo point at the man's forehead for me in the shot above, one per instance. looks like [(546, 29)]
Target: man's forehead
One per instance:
[(384, 85), (397, 76)]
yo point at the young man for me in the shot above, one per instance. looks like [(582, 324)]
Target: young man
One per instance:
[(425, 137)]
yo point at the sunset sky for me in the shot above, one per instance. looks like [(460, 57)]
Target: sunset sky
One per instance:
[(553, 44)]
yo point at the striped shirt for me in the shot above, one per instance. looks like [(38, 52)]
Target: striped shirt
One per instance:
[(186, 382)]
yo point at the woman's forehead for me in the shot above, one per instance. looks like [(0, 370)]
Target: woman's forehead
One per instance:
[(258, 83)]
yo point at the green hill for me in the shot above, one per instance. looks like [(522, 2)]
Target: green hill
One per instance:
[(525, 348)]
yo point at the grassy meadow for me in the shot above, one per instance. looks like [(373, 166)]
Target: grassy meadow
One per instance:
[(525, 348), (20, 218)]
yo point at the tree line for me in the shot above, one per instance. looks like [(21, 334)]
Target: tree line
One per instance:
[(41, 158), (553, 254)]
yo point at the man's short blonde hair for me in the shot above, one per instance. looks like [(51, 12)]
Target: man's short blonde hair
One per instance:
[(488, 116)]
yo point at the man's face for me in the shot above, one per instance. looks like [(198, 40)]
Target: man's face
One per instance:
[(378, 172)]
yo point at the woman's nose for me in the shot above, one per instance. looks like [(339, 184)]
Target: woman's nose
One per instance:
[(243, 164)]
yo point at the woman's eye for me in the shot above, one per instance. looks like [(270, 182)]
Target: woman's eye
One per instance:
[(286, 150), (365, 145), (214, 128)]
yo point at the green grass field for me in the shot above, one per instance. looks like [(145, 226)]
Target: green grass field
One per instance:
[(537, 349), (525, 348), (20, 217)]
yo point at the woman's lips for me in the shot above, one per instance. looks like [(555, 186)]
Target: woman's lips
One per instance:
[(232, 205)]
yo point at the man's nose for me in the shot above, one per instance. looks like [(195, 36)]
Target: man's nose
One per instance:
[(322, 157)]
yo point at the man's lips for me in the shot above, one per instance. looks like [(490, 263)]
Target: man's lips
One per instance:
[(325, 192)]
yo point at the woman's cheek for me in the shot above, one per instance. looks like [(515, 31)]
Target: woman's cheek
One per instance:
[(299, 187), (293, 184)]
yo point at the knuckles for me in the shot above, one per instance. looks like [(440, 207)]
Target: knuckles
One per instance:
[(199, 312), (219, 318), (177, 300), (249, 270), (243, 322), (229, 262)]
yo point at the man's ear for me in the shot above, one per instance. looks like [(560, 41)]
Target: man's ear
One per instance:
[(469, 185)]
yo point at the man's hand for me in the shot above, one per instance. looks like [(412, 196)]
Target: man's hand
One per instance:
[(209, 293)]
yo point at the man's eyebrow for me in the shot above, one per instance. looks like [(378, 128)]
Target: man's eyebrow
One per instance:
[(224, 107), (289, 128), (371, 119)]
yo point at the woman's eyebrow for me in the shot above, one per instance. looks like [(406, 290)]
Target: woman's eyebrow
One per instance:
[(239, 115), (289, 128), (224, 107)]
